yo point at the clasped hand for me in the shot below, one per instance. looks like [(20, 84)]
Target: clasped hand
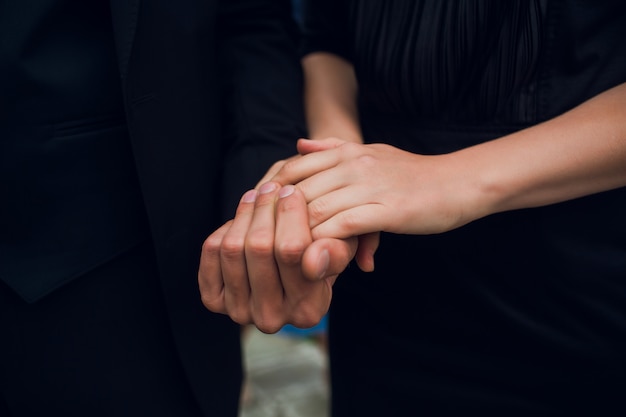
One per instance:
[(263, 267), (276, 261)]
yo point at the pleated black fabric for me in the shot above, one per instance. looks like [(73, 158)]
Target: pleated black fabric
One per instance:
[(517, 314), (440, 59)]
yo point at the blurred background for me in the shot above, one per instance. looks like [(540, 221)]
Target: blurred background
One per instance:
[(286, 373)]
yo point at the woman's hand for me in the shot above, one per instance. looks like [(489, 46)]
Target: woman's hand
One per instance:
[(355, 189)]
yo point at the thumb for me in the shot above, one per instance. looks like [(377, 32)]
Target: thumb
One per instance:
[(327, 257), (274, 169), (368, 243), (306, 146)]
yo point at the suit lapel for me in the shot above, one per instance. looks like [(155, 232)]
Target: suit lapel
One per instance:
[(124, 14)]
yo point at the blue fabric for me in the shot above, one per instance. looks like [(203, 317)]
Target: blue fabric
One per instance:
[(319, 328)]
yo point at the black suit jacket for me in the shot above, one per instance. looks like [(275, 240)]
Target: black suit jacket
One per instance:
[(212, 95), (211, 92)]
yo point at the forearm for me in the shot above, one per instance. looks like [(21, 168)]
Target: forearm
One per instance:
[(355, 189), (330, 97), (579, 153)]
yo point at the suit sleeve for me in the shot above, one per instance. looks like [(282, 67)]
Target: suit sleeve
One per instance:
[(261, 80), (325, 26)]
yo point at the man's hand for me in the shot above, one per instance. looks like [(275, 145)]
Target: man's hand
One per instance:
[(263, 267)]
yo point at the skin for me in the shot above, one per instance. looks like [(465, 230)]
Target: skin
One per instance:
[(353, 189), (263, 267), (345, 189), (331, 111)]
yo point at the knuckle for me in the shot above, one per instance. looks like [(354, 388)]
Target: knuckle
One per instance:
[(232, 247), (349, 221), (213, 303), (288, 165), (268, 325), (211, 244), (365, 161), (348, 147), (307, 315), (290, 252), (240, 316), (317, 210), (260, 243), (278, 165), (268, 318)]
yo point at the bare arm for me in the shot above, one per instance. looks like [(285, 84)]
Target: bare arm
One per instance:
[(330, 90), (579, 153), (355, 189), (330, 97)]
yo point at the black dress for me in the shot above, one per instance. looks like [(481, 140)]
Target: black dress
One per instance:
[(520, 313)]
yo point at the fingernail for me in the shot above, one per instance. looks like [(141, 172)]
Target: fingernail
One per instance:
[(268, 187), (286, 191), (249, 196), (322, 264)]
